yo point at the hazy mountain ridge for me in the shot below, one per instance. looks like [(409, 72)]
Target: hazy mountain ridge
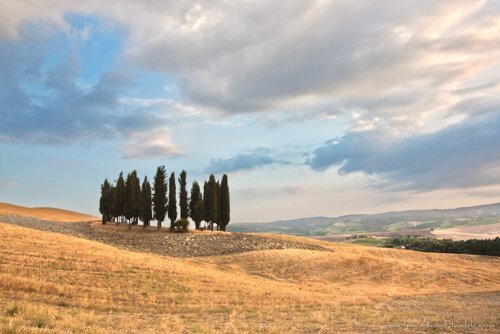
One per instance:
[(388, 221)]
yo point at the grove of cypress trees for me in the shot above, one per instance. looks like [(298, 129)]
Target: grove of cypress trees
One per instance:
[(119, 199), (130, 201), (172, 201), (196, 207), (145, 207), (160, 195), (106, 201), (183, 196), (225, 208)]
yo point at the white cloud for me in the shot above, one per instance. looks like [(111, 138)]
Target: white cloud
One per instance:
[(150, 144)]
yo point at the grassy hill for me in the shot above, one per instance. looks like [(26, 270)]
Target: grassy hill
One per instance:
[(52, 214), (52, 283), (382, 222)]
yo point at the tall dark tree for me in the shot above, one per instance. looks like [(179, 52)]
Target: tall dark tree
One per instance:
[(218, 205), (119, 199), (183, 196), (211, 201), (172, 201), (106, 201), (145, 207), (137, 200), (160, 195), (225, 206), (205, 202), (112, 200), (196, 207), (132, 193)]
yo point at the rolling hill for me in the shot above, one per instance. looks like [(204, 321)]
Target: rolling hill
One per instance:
[(382, 222), (52, 214), (52, 283)]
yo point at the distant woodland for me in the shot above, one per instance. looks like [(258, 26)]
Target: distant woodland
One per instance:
[(474, 246), (126, 200)]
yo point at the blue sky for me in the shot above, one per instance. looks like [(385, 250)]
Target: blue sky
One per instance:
[(316, 108)]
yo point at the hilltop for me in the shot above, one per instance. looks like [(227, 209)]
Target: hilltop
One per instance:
[(162, 241)]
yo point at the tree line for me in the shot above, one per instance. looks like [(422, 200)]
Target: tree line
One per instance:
[(127, 201), (473, 246)]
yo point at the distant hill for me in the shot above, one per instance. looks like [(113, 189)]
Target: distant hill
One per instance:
[(52, 214), (388, 221)]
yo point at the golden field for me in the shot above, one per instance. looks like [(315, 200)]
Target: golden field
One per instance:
[(52, 214), (52, 283)]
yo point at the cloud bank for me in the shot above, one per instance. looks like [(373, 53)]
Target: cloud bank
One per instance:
[(459, 156), (417, 81)]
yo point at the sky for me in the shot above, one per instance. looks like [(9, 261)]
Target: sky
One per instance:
[(312, 108)]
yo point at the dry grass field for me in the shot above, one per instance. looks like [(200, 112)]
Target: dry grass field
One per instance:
[(52, 214), (53, 283)]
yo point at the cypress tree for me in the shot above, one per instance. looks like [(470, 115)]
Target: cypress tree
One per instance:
[(172, 201), (106, 201), (212, 201), (132, 190), (183, 196), (145, 208), (160, 195), (196, 207), (119, 199), (112, 201), (225, 208), (137, 198), (205, 202), (218, 205)]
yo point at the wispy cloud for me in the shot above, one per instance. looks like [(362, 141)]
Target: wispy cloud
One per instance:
[(253, 159)]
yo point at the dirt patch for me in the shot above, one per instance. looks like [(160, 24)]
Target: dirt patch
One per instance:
[(163, 242), (490, 231)]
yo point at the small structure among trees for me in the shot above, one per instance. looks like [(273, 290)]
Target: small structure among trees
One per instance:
[(128, 201)]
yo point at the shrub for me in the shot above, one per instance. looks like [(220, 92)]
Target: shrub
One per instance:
[(182, 225), (42, 321), (13, 310)]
